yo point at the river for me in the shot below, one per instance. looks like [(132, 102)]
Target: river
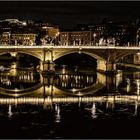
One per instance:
[(70, 104)]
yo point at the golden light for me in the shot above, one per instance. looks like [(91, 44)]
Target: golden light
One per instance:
[(24, 23), (14, 65), (13, 54), (79, 94), (57, 34), (73, 90), (10, 111), (93, 111), (58, 117), (94, 35), (13, 72)]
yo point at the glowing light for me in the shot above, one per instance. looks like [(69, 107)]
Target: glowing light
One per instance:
[(93, 111), (10, 111), (94, 35), (13, 54), (1, 68), (73, 90), (13, 72), (79, 94), (79, 52), (108, 99), (128, 88), (24, 23), (64, 69), (136, 108), (57, 34), (14, 65), (58, 117)]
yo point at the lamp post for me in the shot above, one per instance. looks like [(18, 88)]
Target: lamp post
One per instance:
[(9, 38), (57, 37), (94, 35)]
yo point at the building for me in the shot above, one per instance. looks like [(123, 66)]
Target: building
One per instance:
[(109, 33), (16, 32), (76, 38), (23, 39), (5, 38), (64, 38)]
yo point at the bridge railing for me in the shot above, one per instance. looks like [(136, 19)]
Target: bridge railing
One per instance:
[(67, 47)]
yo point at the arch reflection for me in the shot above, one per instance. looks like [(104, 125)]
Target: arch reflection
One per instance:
[(70, 84), (17, 81), (130, 83), (23, 82)]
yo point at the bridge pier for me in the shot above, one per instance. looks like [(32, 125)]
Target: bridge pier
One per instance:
[(47, 67), (137, 58), (106, 67), (111, 67)]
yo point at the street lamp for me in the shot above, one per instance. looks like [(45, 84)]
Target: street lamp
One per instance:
[(94, 35), (137, 37), (56, 37), (9, 38)]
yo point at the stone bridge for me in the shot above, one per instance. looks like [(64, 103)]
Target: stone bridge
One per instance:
[(107, 56)]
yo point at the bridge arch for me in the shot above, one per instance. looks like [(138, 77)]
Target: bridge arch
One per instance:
[(95, 56), (101, 61), (122, 55), (22, 92), (34, 54), (38, 90)]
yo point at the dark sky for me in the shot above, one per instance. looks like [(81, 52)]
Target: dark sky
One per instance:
[(67, 14)]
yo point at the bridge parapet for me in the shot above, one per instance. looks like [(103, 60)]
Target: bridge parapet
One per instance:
[(54, 46)]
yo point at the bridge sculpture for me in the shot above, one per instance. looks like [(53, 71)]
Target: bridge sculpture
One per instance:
[(107, 56)]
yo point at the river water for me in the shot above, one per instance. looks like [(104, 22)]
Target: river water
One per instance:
[(70, 104)]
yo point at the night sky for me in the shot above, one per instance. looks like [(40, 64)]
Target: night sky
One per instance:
[(67, 14)]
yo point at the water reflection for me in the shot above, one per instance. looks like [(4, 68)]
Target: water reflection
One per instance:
[(75, 83), (18, 79), (55, 105), (57, 114), (93, 111), (10, 111), (130, 83)]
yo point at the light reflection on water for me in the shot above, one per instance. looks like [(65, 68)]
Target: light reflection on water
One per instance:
[(71, 105)]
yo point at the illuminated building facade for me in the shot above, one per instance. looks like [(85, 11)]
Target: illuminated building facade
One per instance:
[(14, 31), (23, 39), (109, 33), (76, 38), (5, 38)]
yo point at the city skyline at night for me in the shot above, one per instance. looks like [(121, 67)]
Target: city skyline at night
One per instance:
[(69, 14), (69, 69)]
